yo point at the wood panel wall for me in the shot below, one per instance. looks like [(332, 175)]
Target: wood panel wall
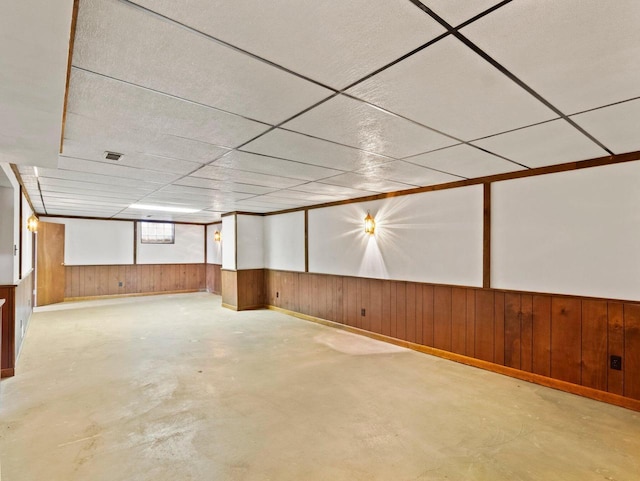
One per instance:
[(91, 281), (214, 278), (564, 338), (18, 306), (243, 289), (7, 352)]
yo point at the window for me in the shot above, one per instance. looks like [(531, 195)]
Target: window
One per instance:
[(157, 233)]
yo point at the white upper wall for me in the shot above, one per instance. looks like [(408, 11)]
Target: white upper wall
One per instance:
[(574, 232), (229, 242), (214, 249), (250, 243), (90, 242), (428, 237), (284, 241), (27, 238), (10, 247), (187, 249)]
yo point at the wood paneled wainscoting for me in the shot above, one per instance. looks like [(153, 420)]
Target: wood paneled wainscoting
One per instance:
[(16, 314), (214, 278), (559, 341), (118, 280), (243, 289)]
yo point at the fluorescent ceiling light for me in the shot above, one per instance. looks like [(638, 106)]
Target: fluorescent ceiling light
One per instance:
[(182, 210)]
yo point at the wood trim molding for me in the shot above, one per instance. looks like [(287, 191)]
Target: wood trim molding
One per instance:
[(135, 243), (16, 172), (72, 37), (82, 217), (135, 294), (587, 392)]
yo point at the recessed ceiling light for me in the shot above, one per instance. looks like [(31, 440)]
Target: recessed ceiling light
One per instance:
[(164, 208), (112, 155)]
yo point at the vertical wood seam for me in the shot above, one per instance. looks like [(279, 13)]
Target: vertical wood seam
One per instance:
[(486, 236)]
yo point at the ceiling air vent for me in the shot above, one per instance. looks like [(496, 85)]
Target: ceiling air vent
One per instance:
[(112, 156)]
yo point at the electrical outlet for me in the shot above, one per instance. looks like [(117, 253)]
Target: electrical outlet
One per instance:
[(363, 312), (277, 294), (119, 284), (616, 363)]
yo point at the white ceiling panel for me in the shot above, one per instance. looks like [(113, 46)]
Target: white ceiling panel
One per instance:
[(105, 196), (197, 192), (302, 148), (111, 102), (450, 88), (225, 174), (358, 124), (578, 54), (411, 174), (304, 196), (137, 160), (367, 181), (94, 178), (465, 161), (127, 43), (550, 143), (338, 191), (81, 165), (269, 165), (332, 42), (456, 12), (616, 126), (102, 136), (62, 185), (224, 186)]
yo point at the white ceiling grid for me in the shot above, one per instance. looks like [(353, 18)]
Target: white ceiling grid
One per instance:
[(265, 106)]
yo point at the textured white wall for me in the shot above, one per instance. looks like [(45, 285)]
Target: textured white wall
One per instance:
[(214, 249), (27, 238), (284, 241), (250, 242), (187, 249), (429, 237), (96, 242), (572, 233), (229, 242)]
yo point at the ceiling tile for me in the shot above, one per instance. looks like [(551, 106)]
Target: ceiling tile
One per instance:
[(73, 149), (343, 41), (65, 193), (550, 143), (302, 148), (367, 181), (414, 175), (465, 161), (306, 196), (450, 88), (358, 124), (95, 178), (117, 103), (456, 12), (578, 54), (331, 190), (112, 137), (269, 165), (80, 186), (127, 43), (225, 174), (615, 126), (224, 186), (80, 165)]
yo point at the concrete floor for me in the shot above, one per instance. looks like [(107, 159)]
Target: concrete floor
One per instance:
[(176, 388)]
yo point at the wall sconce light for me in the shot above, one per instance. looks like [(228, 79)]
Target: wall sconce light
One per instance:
[(369, 224), (216, 236), (32, 223)]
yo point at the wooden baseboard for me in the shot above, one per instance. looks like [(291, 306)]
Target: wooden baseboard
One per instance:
[(587, 392), (136, 294), (8, 372), (244, 308), (229, 306)]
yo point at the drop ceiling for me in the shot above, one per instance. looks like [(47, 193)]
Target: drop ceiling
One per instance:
[(263, 106)]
